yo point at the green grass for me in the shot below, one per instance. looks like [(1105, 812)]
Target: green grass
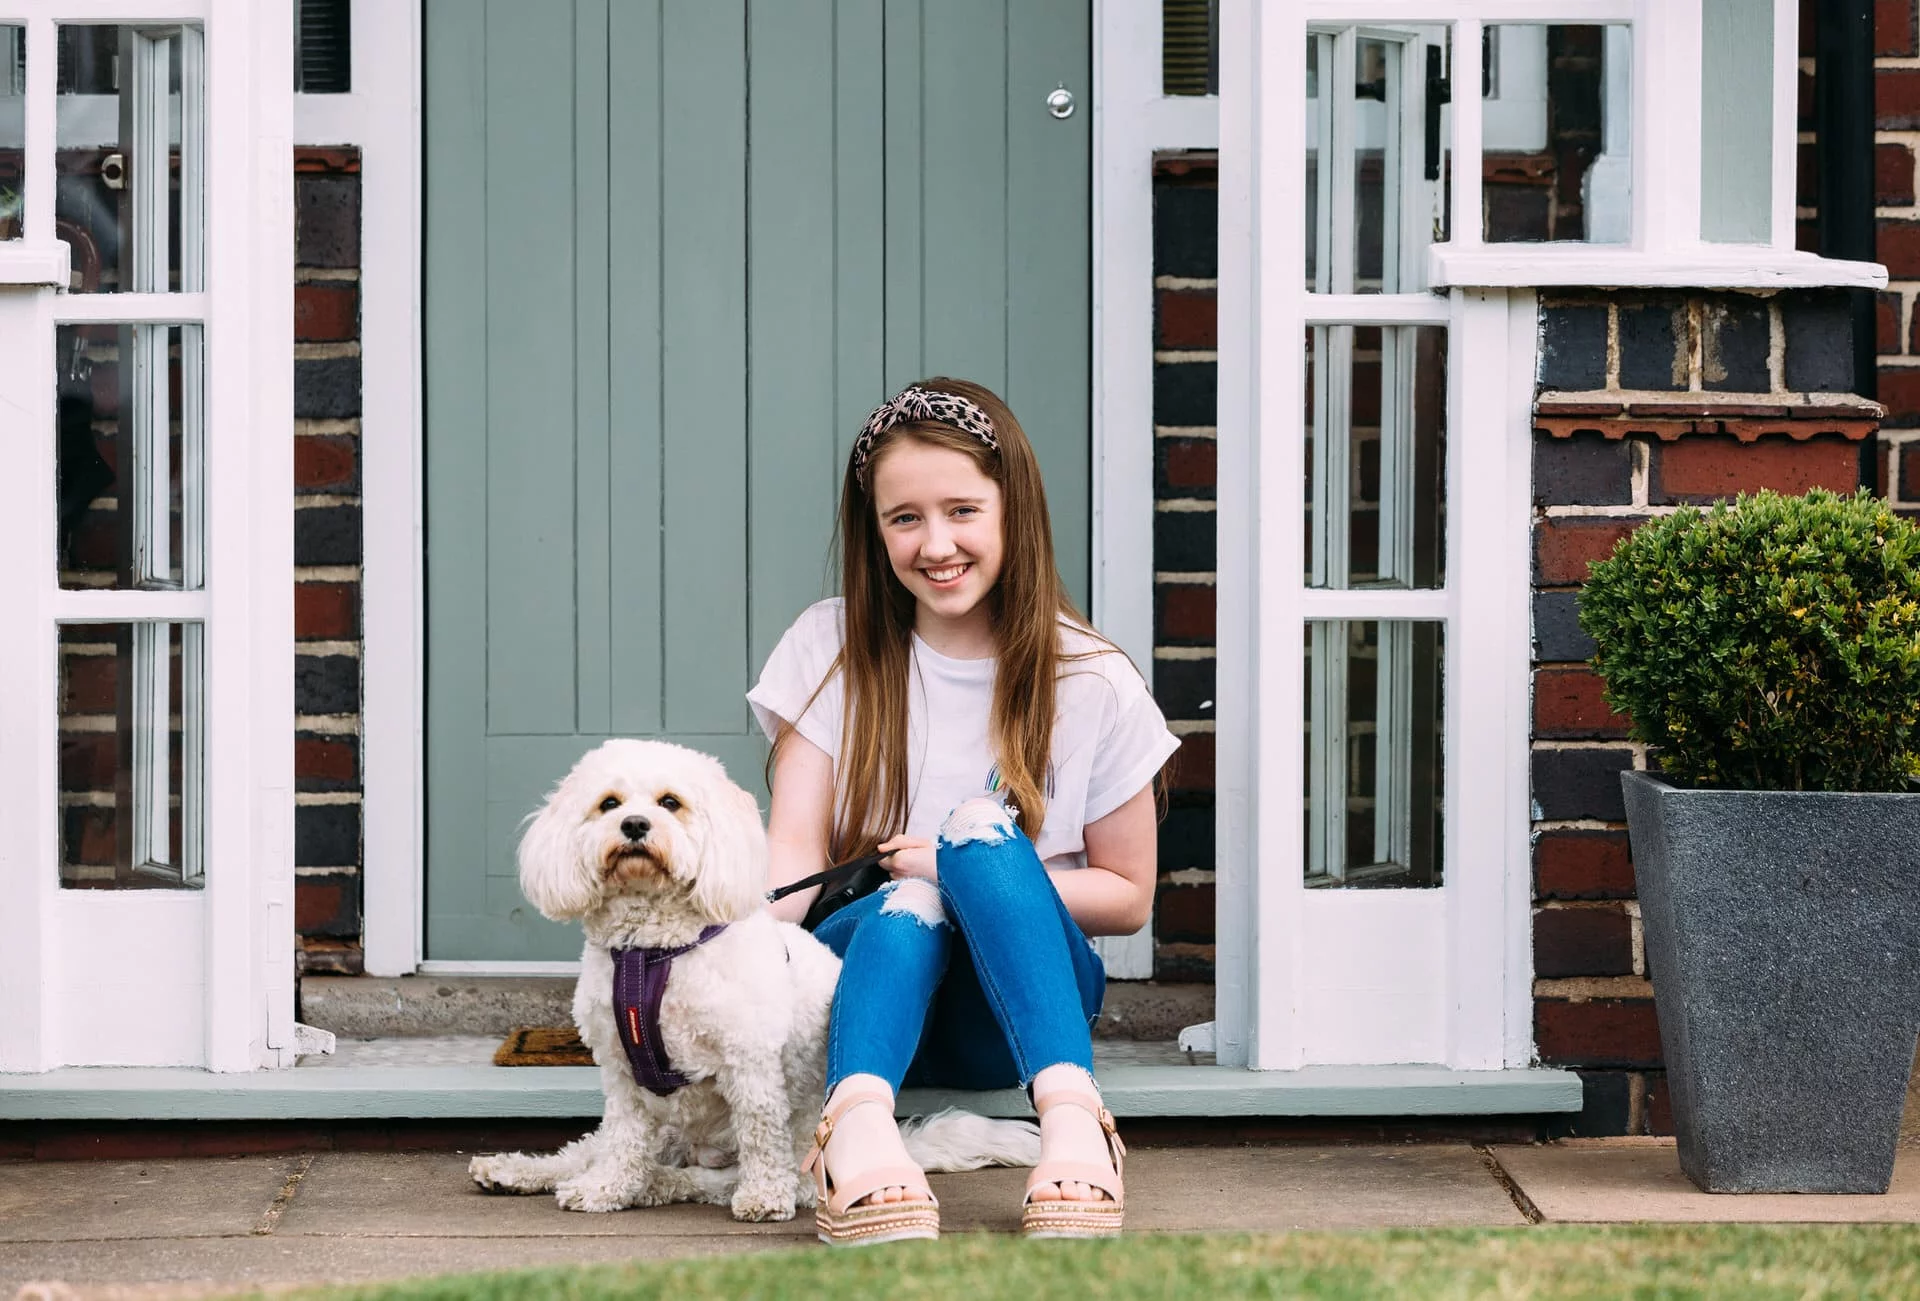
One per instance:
[(1662, 1261)]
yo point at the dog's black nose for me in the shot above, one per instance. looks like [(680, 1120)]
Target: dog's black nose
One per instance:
[(635, 828)]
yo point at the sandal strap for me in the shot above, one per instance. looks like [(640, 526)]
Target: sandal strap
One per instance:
[(841, 1106), (1108, 1179), (1105, 1178), (1091, 1104), (872, 1181)]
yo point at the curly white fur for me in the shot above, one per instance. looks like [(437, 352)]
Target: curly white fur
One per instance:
[(647, 843)]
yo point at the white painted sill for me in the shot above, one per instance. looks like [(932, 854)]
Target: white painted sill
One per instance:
[(37, 265), (1707, 266)]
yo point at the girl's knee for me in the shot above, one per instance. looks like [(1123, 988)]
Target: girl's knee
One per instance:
[(915, 898), (982, 820)]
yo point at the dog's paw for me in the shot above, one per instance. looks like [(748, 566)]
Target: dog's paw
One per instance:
[(805, 1195), (493, 1174), (593, 1198), (751, 1203)]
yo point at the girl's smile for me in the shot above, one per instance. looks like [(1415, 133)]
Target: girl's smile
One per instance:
[(940, 518)]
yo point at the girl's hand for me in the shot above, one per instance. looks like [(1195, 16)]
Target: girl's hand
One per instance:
[(909, 856)]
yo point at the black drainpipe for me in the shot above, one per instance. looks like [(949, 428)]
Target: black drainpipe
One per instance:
[(1843, 127)]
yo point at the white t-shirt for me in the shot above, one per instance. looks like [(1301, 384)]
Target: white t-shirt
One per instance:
[(1109, 737)]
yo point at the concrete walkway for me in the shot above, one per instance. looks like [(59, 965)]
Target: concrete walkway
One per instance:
[(167, 1228)]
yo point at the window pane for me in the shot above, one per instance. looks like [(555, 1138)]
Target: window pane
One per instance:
[(1374, 797), (1377, 157), (1555, 127), (13, 128), (129, 156), (129, 465), (131, 755), (1376, 456)]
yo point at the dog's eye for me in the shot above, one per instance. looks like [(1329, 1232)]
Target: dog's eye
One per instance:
[(671, 803), (609, 804)]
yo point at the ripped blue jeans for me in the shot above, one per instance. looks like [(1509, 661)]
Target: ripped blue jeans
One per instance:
[(980, 982)]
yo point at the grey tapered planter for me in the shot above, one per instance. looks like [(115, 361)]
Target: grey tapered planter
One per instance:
[(1783, 938)]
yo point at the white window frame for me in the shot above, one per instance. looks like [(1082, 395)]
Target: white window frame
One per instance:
[(160, 977)]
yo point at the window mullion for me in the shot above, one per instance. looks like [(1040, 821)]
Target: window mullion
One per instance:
[(1337, 96)]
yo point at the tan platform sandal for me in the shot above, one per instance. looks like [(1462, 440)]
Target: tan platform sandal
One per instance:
[(839, 1221), (1077, 1219)]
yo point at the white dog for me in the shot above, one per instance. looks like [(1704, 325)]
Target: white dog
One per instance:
[(659, 855)]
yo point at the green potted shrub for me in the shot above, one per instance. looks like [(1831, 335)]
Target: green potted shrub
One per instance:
[(1768, 653)]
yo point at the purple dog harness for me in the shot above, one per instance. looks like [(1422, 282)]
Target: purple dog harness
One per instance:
[(639, 983)]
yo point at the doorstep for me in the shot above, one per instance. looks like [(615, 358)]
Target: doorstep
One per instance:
[(451, 1077)]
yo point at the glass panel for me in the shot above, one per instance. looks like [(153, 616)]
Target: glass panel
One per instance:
[(131, 755), (1376, 456), (1736, 123), (1555, 128), (1374, 711), (13, 129), (130, 157), (129, 466), (1377, 157)]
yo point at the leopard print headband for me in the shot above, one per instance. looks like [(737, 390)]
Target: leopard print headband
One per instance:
[(913, 405)]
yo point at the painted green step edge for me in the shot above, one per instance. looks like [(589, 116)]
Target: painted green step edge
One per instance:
[(362, 1092)]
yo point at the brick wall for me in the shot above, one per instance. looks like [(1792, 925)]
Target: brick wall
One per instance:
[(327, 555)]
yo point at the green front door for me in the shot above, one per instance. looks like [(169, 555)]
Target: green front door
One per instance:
[(675, 252)]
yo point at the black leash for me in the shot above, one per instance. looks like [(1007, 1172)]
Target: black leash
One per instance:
[(832, 876)]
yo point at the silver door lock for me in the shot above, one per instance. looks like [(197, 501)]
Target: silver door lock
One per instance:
[(1060, 102)]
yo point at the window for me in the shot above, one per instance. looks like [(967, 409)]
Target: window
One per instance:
[(13, 129), (323, 46)]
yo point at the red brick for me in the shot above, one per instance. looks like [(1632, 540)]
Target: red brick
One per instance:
[(1582, 942), (325, 463), (89, 684), (1909, 455), (326, 905), (1618, 1032), (326, 313), (1582, 865), (325, 759), (1193, 762), (1806, 175), (89, 761), (1564, 547), (1809, 28), (1899, 392), (326, 611), (1896, 98), (1184, 913), (1893, 28), (1188, 318), (1898, 245), (1806, 236), (1705, 467), (1567, 705), (1191, 462), (1187, 613), (1659, 1105), (1886, 323), (1893, 175)]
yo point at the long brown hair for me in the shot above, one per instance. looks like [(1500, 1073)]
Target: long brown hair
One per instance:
[(1026, 606)]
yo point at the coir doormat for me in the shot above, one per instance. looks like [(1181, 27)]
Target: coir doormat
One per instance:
[(542, 1045)]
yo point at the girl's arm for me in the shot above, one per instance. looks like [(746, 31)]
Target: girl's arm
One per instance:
[(1113, 893), (798, 821)]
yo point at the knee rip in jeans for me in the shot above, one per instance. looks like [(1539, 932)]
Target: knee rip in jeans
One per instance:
[(979, 820), (917, 898)]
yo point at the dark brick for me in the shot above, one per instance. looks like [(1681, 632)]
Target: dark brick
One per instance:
[(1184, 688), (1186, 231), (1184, 914), (1186, 318), (89, 761), (326, 535), (1183, 964), (1580, 783), (326, 835), (326, 463), (1738, 336), (326, 684), (1183, 541), (1185, 393), (1615, 1032), (325, 762), (1573, 347), (1186, 837), (1582, 942), (328, 903), (326, 388), (1819, 342), (1659, 1104), (1587, 469), (1192, 766), (1575, 864), (1185, 467), (1606, 1104), (1652, 346), (1517, 213), (1557, 635), (327, 221), (1184, 614)]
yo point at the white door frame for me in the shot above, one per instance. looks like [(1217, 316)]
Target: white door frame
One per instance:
[(194, 977)]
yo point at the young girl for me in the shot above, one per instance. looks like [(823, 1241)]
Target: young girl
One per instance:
[(953, 711)]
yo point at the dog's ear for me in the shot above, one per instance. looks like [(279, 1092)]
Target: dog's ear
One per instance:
[(732, 880), (552, 874)]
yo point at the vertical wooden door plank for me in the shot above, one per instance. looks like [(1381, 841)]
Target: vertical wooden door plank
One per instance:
[(635, 485), (528, 372), (704, 413), (791, 337), (859, 228), (1049, 264), (455, 341), (592, 501), (904, 163)]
